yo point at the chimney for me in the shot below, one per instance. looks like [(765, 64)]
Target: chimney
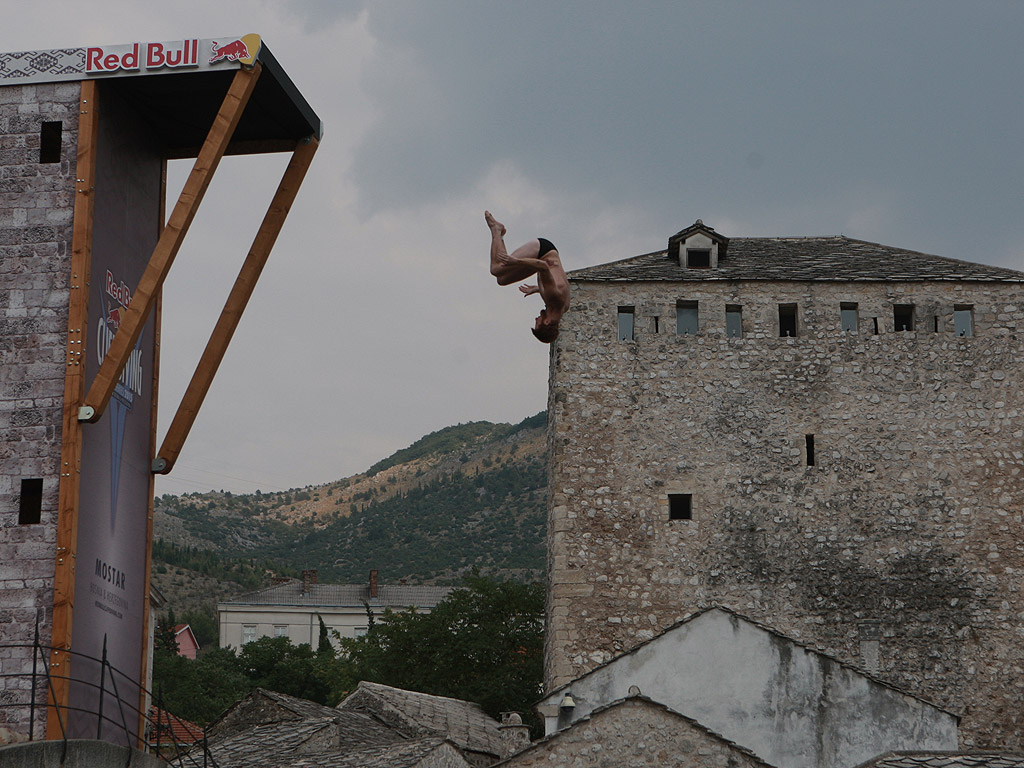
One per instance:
[(373, 584), (515, 736), (308, 580)]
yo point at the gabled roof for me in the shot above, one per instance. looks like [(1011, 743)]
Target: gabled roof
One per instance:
[(981, 759), (291, 593), (774, 632), (265, 707), (168, 728), (464, 722), (643, 701), (403, 754), (801, 259)]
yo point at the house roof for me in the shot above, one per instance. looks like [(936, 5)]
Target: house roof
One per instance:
[(265, 707), (171, 728), (837, 258), (401, 754), (464, 722), (996, 759), (644, 701), (551, 695), (291, 593)]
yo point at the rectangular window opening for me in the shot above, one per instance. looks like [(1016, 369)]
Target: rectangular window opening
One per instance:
[(680, 506), (625, 323), (248, 633), (687, 318), (809, 444), (733, 321), (963, 319), (49, 142), (903, 317), (848, 316), (30, 508), (698, 258), (655, 324), (874, 323), (280, 630), (787, 319), (937, 325)]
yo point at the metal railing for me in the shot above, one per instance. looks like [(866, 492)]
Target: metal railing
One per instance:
[(158, 724)]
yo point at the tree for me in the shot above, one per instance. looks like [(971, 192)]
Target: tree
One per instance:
[(483, 643)]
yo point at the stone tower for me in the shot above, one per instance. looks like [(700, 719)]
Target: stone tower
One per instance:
[(824, 434)]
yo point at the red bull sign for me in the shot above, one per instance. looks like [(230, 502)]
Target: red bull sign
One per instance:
[(141, 58)]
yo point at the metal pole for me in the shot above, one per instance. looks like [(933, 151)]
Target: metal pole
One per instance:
[(32, 694), (103, 673)]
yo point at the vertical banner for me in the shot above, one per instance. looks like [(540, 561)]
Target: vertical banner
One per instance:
[(114, 501)]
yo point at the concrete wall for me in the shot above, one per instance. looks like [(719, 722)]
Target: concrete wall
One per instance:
[(634, 733), (898, 551), (790, 706), (36, 211)]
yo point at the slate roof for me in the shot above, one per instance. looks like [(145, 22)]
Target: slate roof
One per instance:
[(946, 760), (396, 596), (464, 722), (802, 259), (319, 740), (647, 702), (403, 754)]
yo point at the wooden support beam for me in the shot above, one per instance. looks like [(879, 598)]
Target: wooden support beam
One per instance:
[(167, 246), (237, 300), (74, 387)]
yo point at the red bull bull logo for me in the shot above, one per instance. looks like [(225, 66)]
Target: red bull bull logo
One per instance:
[(233, 51), (114, 317)]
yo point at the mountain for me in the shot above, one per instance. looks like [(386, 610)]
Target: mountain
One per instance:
[(464, 497)]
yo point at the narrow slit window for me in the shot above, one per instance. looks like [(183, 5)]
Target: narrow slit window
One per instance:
[(687, 318), (734, 321), (680, 506), (809, 446), (963, 320), (848, 316), (874, 325), (626, 317), (903, 317), (655, 324), (937, 324), (787, 319), (49, 142), (30, 508), (698, 258)]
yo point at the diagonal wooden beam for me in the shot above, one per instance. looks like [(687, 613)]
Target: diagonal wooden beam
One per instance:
[(237, 300), (167, 246)]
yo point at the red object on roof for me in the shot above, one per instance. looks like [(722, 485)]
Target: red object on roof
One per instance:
[(166, 729)]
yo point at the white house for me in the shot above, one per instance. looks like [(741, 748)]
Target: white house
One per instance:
[(294, 608)]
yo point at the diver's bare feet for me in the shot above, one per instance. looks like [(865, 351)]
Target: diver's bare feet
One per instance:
[(493, 224)]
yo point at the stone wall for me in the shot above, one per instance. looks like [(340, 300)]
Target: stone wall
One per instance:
[(36, 210), (898, 551), (635, 732)]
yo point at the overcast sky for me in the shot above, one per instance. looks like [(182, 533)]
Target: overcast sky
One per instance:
[(604, 126)]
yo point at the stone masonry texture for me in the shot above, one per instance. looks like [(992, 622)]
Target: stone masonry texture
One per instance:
[(635, 732), (36, 210), (899, 551)]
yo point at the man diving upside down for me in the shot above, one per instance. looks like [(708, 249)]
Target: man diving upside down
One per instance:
[(535, 257)]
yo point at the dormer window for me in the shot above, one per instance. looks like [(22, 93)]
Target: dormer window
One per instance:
[(698, 258), (697, 247)]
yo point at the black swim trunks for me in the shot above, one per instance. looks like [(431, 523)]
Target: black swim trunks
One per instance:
[(545, 246)]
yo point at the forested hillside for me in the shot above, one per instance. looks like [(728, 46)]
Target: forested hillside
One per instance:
[(467, 496)]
